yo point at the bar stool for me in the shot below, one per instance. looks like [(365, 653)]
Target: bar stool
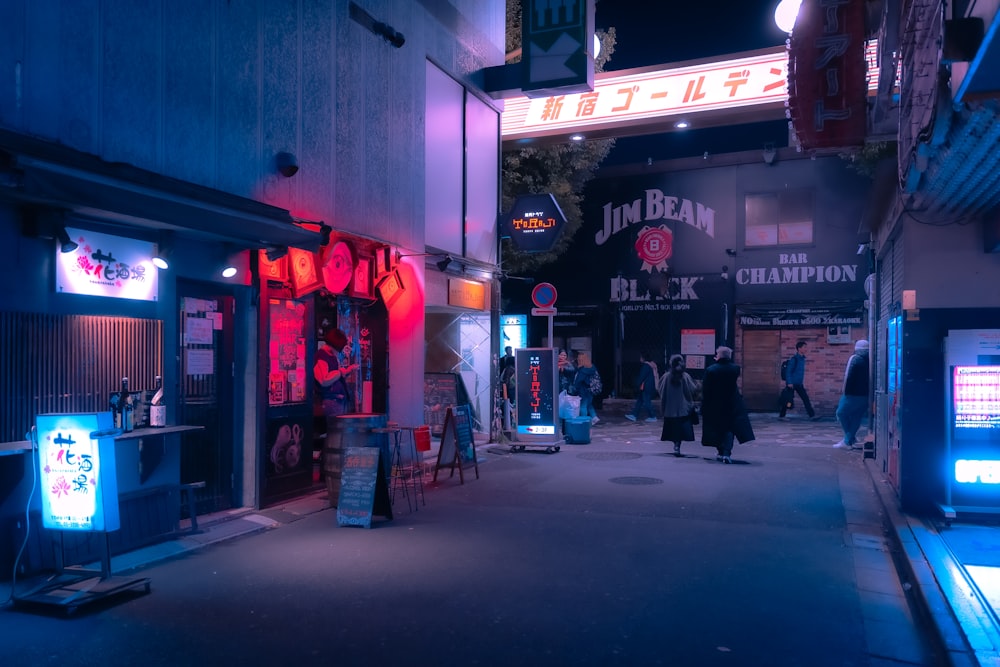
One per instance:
[(415, 470)]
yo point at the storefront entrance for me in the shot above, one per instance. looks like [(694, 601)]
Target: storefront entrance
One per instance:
[(205, 392)]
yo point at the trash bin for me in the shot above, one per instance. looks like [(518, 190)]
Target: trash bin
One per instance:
[(578, 431)]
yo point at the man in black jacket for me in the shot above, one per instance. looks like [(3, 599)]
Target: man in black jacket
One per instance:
[(724, 415), (853, 404)]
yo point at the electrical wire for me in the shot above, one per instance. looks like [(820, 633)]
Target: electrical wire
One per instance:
[(32, 438)]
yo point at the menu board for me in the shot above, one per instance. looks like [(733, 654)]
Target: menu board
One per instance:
[(440, 393), (363, 488), (458, 449)]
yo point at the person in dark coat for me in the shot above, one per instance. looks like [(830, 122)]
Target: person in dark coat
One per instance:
[(645, 385), (585, 373), (724, 415), (676, 400)]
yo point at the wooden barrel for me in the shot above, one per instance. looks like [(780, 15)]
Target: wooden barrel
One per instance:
[(342, 432)]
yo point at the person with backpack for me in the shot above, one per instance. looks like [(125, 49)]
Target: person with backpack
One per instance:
[(645, 384), (586, 384), (795, 377)]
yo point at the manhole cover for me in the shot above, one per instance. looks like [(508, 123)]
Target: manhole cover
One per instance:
[(608, 456), (636, 481)]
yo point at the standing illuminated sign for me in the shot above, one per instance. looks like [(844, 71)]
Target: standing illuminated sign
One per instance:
[(105, 265), (77, 473), (536, 389)]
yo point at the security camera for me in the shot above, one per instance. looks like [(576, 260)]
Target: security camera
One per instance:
[(286, 163)]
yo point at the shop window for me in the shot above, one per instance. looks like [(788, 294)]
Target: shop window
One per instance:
[(779, 218)]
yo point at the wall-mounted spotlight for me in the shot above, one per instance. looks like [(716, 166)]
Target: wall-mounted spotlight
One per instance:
[(287, 164), (725, 272), (161, 258), (274, 254), (769, 153), (66, 244), (731, 252), (164, 251), (450, 265)]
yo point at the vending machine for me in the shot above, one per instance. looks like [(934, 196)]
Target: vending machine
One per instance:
[(972, 390)]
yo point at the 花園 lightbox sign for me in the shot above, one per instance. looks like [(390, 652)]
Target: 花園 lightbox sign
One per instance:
[(77, 473), (105, 265)]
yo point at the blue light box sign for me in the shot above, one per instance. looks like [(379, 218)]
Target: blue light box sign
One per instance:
[(977, 472), (77, 473)]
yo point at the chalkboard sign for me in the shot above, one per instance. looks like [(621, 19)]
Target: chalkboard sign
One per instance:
[(458, 449), (363, 488)]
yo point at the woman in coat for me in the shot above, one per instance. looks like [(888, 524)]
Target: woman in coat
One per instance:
[(724, 416), (676, 400)]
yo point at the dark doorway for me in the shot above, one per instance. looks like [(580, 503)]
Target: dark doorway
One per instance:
[(205, 391)]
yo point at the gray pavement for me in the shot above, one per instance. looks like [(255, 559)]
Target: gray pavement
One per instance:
[(610, 553)]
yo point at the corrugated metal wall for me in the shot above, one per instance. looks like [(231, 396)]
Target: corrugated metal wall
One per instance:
[(71, 363)]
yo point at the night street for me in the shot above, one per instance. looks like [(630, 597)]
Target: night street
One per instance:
[(612, 553)]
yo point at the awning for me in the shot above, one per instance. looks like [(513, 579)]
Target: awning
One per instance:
[(43, 173)]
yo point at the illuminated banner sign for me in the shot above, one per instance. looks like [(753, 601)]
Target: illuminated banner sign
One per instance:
[(750, 82), (77, 473), (105, 265), (827, 91), (534, 223), (536, 391)]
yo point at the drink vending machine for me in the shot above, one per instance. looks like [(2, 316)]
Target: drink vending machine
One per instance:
[(972, 410)]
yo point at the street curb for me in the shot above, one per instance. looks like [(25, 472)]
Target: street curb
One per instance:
[(918, 576)]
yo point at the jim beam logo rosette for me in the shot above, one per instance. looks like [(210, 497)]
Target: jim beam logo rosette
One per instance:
[(654, 246)]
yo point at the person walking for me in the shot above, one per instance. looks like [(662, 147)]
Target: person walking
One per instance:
[(853, 405), (724, 415), (645, 384), (795, 378), (582, 386), (506, 361), (676, 403)]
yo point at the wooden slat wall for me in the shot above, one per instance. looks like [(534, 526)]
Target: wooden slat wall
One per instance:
[(70, 363)]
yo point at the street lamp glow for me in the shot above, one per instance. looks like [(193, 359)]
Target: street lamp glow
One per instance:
[(785, 13)]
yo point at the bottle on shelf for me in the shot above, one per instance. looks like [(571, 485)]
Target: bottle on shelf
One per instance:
[(157, 409), (125, 407)]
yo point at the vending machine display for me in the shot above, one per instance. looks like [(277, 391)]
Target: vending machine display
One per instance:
[(976, 402)]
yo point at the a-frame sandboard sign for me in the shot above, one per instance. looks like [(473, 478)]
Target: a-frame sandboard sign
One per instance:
[(364, 490), (458, 450)]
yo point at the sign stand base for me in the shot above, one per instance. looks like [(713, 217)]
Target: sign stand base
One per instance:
[(73, 587)]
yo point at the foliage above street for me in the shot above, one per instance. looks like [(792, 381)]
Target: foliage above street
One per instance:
[(560, 169)]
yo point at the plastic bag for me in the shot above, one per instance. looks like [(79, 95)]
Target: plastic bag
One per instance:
[(569, 406)]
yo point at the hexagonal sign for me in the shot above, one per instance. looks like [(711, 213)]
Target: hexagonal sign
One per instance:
[(534, 223)]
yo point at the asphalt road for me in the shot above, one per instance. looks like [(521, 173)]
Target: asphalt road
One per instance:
[(612, 553)]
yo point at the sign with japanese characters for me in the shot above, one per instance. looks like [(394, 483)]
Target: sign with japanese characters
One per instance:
[(536, 391), (105, 265), (827, 84), (77, 473), (534, 223), (759, 79)]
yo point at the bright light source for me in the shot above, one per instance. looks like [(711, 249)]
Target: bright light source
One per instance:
[(597, 46), (228, 271), (785, 13), (682, 125), (576, 137)]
